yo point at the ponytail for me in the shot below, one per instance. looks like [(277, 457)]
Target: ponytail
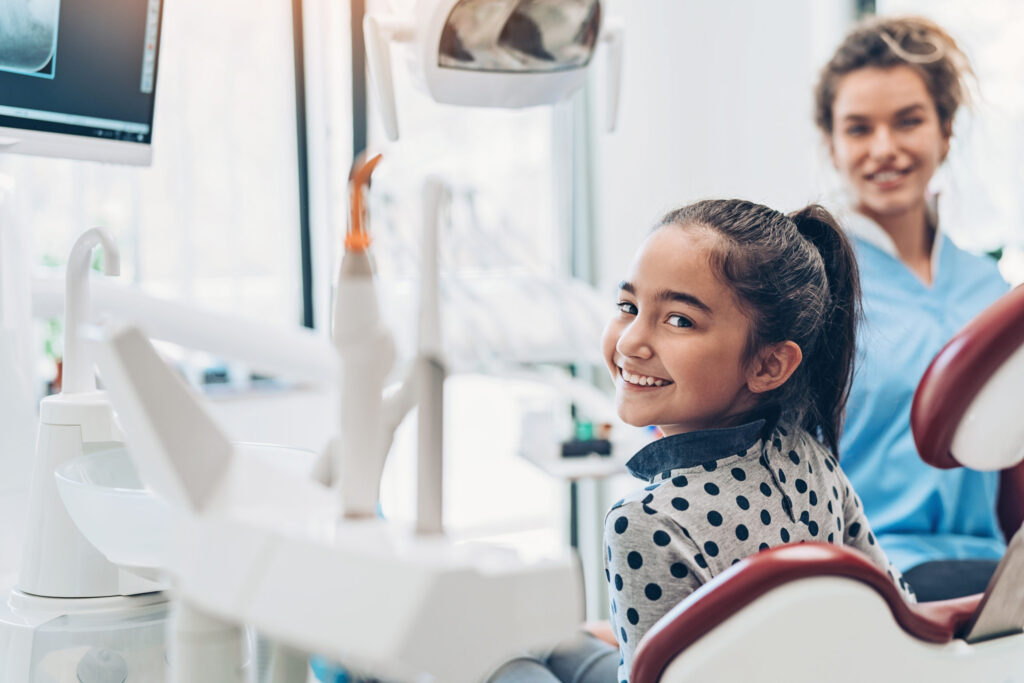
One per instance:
[(828, 363)]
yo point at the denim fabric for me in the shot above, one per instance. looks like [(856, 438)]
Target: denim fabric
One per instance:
[(698, 448)]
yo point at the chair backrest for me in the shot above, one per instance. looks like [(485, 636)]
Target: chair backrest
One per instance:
[(751, 578)]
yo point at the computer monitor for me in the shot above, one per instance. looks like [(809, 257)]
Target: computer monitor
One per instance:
[(78, 78)]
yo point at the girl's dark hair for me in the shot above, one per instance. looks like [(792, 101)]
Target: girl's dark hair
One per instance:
[(796, 279), (886, 42)]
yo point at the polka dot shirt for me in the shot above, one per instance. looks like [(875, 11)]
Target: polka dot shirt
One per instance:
[(715, 497)]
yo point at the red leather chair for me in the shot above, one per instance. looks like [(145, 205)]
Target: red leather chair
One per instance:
[(819, 612)]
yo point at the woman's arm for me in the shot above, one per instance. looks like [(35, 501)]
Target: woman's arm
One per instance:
[(602, 630), (1010, 503)]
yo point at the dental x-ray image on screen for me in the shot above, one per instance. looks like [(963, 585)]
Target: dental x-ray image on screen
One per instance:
[(28, 36), (78, 78)]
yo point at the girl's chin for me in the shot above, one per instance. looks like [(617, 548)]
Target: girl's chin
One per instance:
[(633, 418), (635, 423)]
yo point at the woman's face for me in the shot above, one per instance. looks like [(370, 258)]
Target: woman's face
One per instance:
[(887, 140), (676, 348)]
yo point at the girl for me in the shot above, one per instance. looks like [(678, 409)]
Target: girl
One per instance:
[(885, 105), (735, 335)]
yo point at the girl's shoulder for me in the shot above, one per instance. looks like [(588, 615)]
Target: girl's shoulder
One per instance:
[(795, 445), (642, 501)]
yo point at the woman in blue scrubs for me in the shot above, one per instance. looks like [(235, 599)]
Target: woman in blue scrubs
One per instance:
[(885, 104)]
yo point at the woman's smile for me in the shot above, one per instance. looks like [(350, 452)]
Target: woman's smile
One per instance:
[(888, 178)]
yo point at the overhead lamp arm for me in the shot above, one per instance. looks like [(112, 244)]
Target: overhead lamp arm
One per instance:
[(377, 34)]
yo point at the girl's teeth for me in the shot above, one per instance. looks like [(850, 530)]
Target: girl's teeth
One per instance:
[(642, 381)]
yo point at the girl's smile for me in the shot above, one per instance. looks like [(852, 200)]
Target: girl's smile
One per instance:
[(635, 380)]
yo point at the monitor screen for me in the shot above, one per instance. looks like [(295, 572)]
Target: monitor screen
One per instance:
[(78, 78)]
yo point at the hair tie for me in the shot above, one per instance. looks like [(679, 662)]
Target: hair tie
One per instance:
[(937, 53)]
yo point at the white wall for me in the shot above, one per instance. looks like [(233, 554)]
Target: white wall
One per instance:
[(716, 102)]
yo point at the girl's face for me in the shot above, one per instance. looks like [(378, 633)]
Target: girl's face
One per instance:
[(886, 139), (676, 348)]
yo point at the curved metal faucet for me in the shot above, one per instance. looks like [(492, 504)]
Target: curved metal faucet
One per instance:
[(78, 374)]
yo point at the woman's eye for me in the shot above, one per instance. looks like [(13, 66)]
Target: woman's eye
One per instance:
[(856, 131), (679, 321), (910, 123), (626, 307)]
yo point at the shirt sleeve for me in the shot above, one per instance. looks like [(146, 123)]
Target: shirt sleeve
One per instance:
[(857, 534), (650, 566)]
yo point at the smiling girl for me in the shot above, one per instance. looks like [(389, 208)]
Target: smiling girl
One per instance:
[(735, 335)]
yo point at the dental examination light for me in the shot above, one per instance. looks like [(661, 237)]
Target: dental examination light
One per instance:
[(494, 53)]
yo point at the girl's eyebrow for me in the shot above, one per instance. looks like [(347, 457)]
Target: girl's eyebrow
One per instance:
[(670, 295)]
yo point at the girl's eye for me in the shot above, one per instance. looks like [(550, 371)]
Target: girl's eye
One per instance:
[(856, 131), (679, 321), (626, 307), (910, 123)]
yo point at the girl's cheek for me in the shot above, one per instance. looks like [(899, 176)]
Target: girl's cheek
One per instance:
[(609, 338)]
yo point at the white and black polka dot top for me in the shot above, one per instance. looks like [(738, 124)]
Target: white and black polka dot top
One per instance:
[(715, 497)]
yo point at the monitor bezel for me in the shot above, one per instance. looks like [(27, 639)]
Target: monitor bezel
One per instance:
[(79, 147)]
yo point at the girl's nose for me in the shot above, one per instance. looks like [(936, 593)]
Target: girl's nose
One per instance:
[(633, 342)]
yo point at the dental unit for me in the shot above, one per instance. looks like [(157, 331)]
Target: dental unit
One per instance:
[(190, 541), (297, 566)]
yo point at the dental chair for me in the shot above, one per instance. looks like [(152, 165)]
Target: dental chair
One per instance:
[(816, 612)]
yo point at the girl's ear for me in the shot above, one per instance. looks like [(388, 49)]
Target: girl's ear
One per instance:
[(773, 365)]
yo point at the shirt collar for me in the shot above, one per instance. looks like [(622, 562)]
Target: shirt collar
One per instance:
[(867, 230), (691, 449)]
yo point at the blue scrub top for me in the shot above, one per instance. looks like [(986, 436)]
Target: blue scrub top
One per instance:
[(919, 513)]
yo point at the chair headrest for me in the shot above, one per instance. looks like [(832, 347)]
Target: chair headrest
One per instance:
[(966, 410)]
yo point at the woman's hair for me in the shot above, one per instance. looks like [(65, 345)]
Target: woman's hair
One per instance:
[(796, 279), (887, 42)]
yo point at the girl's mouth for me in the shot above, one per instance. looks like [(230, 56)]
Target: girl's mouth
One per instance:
[(642, 380)]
